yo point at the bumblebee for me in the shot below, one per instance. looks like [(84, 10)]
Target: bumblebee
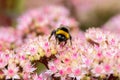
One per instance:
[(61, 35)]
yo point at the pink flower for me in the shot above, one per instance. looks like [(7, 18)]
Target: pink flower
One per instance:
[(52, 67), (28, 68), (113, 24), (99, 54), (107, 68), (67, 60), (3, 60), (68, 70), (98, 69), (32, 49), (62, 72), (38, 77), (9, 38), (75, 55), (77, 72), (26, 76), (11, 72), (88, 62)]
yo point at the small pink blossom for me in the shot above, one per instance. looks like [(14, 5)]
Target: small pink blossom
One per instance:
[(11, 72), (26, 76), (68, 70), (77, 72), (98, 69), (61, 72), (38, 77), (99, 54), (28, 68), (3, 60), (107, 68)]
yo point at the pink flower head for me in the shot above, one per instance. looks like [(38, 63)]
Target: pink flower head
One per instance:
[(107, 68), (11, 72), (26, 76), (52, 67), (38, 77), (113, 24), (9, 38), (99, 55), (77, 72), (28, 68), (3, 60), (97, 70)]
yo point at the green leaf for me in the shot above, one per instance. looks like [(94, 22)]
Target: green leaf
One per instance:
[(40, 67)]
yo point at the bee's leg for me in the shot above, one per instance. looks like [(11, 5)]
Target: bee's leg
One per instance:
[(53, 32), (56, 40), (59, 42), (70, 40), (65, 43)]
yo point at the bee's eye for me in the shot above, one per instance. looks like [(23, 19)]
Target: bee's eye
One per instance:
[(59, 36), (63, 37)]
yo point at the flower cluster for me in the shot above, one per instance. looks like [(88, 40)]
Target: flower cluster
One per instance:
[(40, 21), (19, 54), (92, 55), (95, 57), (9, 38), (36, 48), (113, 24), (15, 66)]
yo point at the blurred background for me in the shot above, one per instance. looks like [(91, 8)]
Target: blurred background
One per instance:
[(89, 13)]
